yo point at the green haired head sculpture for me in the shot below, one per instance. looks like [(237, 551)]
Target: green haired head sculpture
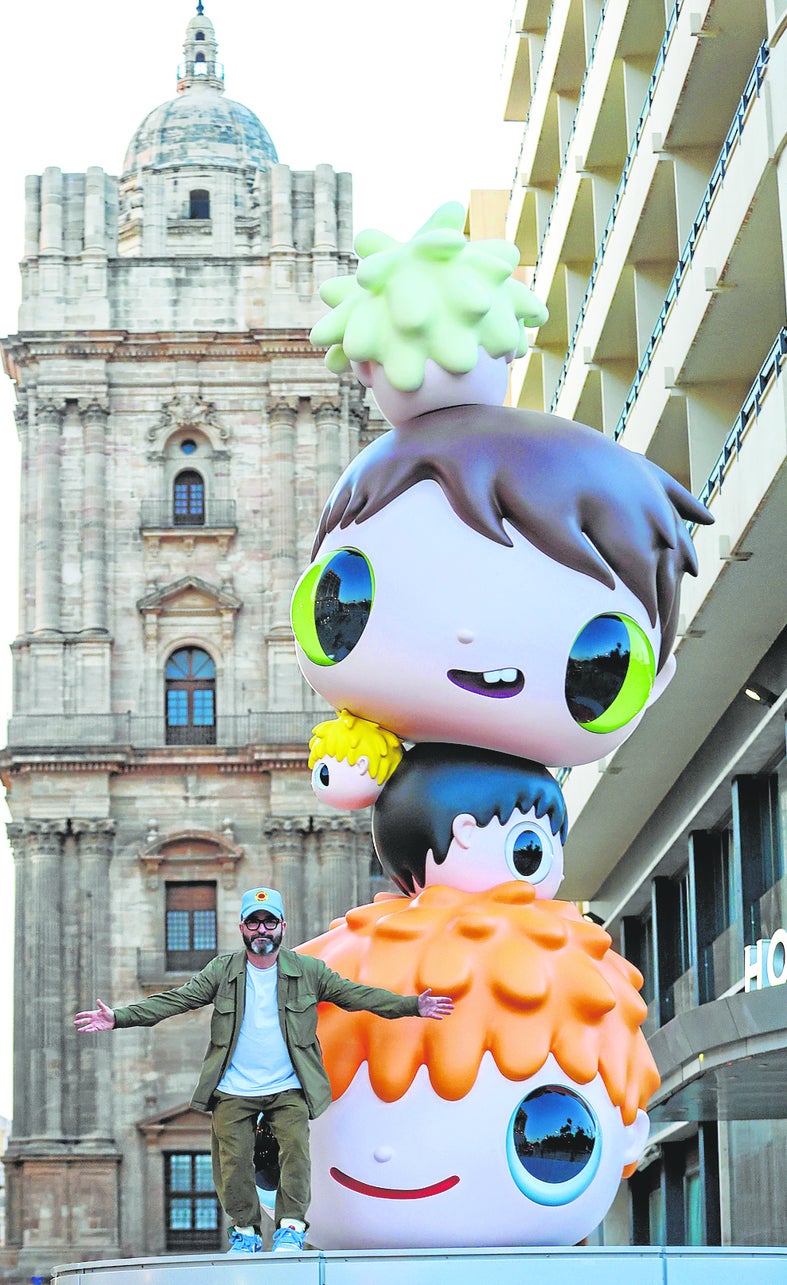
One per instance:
[(436, 296)]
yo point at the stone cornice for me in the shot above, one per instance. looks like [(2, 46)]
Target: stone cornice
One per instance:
[(120, 345)]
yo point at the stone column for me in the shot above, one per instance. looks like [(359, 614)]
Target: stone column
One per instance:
[(281, 439), (49, 416), (32, 216), (285, 840), (92, 1108), (329, 463), (52, 211), (357, 419), (338, 867), (94, 518), (281, 208), (26, 517), (38, 995), (344, 205), (95, 241), (324, 208)]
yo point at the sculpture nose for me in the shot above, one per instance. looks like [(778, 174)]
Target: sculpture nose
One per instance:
[(382, 1154)]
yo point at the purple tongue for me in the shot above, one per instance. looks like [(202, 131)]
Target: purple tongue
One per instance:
[(473, 681)]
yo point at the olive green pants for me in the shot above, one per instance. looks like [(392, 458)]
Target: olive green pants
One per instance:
[(232, 1151)]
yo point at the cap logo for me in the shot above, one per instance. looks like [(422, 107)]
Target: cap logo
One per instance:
[(261, 895)]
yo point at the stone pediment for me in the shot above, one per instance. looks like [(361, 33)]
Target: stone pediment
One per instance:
[(189, 596), (181, 1119)]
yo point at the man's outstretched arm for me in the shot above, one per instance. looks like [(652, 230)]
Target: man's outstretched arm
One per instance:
[(196, 992), (96, 1019)]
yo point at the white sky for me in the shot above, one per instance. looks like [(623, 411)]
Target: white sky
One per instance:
[(407, 96)]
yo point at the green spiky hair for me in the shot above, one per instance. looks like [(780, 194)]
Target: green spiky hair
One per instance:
[(437, 295)]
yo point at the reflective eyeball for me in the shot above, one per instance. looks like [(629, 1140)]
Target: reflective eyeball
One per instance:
[(332, 604), (553, 1145), (610, 673), (529, 852), (321, 776)]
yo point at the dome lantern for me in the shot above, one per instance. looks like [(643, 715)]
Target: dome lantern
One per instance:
[(200, 67)]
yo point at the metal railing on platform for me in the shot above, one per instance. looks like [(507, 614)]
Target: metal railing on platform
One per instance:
[(159, 515), (263, 727)]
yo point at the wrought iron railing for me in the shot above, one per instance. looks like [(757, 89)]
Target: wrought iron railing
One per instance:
[(770, 372), (159, 515), (138, 731), (750, 93)]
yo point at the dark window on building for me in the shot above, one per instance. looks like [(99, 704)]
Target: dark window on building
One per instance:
[(675, 1200), (200, 35), (190, 926), (199, 203), (711, 854), (190, 698), (199, 65), (192, 1212), (188, 499), (755, 812)]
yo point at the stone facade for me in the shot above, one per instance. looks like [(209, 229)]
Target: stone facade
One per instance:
[(163, 338)]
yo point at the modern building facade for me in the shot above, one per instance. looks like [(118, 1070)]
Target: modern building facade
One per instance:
[(179, 434), (651, 197)]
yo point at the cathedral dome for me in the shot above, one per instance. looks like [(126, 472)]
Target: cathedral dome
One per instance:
[(200, 127)]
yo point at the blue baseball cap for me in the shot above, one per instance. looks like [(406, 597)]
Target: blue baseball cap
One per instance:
[(262, 901)]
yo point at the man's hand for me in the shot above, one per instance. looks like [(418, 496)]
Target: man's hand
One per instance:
[(437, 1006), (98, 1019)]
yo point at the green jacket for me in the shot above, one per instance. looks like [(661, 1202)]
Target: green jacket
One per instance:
[(304, 983)]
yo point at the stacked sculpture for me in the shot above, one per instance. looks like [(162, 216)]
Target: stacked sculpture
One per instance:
[(496, 589)]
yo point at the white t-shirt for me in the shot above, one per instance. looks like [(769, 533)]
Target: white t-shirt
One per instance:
[(260, 1063)]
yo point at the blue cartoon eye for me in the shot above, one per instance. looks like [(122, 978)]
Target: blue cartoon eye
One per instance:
[(529, 852), (321, 776), (610, 673), (553, 1145), (332, 604)]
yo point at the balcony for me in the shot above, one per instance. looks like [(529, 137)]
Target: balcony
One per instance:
[(157, 515), (217, 523), (137, 731)]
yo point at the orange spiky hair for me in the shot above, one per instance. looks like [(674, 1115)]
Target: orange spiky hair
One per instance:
[(529, 978)]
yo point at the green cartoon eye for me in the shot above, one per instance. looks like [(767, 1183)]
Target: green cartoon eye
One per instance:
[(332, 604), (609, 674)]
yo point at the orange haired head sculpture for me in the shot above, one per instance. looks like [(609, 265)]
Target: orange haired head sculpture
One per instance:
[(547, 1019)]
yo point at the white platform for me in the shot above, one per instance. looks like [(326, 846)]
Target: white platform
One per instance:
[(590, 1266)]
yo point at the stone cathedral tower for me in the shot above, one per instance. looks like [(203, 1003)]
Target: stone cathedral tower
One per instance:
[(178, 436)]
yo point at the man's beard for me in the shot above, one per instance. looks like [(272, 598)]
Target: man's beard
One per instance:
[(267, 944)]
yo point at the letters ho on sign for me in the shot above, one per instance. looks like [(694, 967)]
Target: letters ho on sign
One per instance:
[(765, 963)]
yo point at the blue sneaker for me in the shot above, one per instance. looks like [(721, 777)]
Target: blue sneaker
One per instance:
[(242, 1243), (287, 1240)]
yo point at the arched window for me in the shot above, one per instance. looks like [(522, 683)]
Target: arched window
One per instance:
[(199, 204), (200, 35), (200, 68), (190, 698), (188, 499)]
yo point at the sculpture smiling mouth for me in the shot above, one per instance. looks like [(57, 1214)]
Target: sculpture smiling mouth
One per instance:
[(393, 1193), (497, 683)]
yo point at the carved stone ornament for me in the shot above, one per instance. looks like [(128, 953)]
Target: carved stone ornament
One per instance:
[(185, 410), (214, 850)]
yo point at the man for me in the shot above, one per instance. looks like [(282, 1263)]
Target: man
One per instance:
[(263, 1056)]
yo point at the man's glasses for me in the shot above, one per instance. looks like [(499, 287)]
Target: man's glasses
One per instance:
[(268, 922)]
